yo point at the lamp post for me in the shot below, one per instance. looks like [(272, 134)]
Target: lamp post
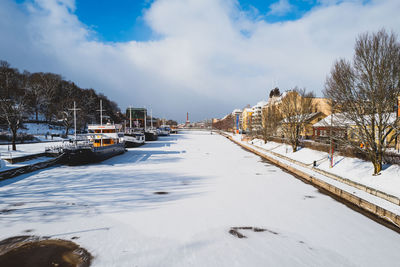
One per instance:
[(331, 147), (397, 145)]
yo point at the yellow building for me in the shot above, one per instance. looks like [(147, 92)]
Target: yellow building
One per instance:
[(247, 119), (321, 108)]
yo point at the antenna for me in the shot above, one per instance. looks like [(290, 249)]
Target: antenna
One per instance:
[(74, 109)]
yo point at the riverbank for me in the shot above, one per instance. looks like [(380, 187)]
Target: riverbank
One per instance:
[(384, 206)]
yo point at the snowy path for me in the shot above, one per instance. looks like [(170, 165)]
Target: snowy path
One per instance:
[(212, 185)]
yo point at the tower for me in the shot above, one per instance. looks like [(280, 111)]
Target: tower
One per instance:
[(187, 118)]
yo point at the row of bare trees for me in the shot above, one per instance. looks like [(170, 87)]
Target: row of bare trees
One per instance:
[(366, 91), (290, 115), (47, 97)]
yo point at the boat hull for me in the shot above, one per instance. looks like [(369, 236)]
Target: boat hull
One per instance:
[(151, 136), (84, 155), (133, 140)]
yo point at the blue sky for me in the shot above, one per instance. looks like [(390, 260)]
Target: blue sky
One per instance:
[(115, 21), (122, 20)]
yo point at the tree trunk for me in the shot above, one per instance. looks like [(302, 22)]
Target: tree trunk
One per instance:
[(377, 167), (377, 164), (13, 140), (67, 131), (294, 145)]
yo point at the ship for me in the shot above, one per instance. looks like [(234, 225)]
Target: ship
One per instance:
[(134, 138), (164, 130), (102, 142), (151, 134)]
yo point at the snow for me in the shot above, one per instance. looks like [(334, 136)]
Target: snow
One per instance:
[(5, 165), (42, 129), (342, 120), (26, 149), (354, 169), (212, 185)]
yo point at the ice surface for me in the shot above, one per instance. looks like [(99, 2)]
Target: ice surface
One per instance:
[(209, 185)]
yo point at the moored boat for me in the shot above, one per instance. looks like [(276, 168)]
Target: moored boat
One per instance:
[(164, 130), (102, 142), (151, 134), (134, 138)]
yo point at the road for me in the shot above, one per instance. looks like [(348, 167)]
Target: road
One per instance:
[(182, 200)]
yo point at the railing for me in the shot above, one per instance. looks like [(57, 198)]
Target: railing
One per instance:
[(60, 148)]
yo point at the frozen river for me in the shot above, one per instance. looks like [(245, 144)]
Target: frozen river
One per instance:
[(173, 202)]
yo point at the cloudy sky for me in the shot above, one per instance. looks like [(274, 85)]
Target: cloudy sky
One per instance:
[(205, 57)]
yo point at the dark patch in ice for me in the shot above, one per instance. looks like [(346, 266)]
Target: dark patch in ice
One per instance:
[(161, 193), (6, 211), (305, 197), (257, 173), (75, 237), (23, 251), (18, 204), (236, 233), (28, 230), (234, 230)]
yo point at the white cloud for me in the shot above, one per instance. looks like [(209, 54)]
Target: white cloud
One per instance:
[(210, 58), (280, 8)]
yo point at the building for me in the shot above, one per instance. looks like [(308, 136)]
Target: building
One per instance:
[(247, 119), (257, 116), (237, 116), (136, 117), (341, 127), (321, 108)]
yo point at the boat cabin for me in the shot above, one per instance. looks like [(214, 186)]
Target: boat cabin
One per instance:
[(104, 135)]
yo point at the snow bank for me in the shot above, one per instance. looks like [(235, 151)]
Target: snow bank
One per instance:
[(354, 169)]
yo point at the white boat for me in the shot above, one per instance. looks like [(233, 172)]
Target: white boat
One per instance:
[(164, 130), (134, 138)]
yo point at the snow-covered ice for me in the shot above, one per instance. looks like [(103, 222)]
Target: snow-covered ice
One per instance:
[(212, 185)]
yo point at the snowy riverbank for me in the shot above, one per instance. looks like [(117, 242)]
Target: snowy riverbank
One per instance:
[(354, 169)]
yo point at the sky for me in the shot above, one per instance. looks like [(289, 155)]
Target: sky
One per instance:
[(205, 57)]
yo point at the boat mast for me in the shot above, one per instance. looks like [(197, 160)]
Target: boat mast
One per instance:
[(101, 122), (145, 121), (74, 109), (101, 112), (130, 119), (151, 116)]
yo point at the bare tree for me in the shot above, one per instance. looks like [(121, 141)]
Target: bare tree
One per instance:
[(35, 97), (12, 99), (366, 90), (296, 107), (50, 84), (271, 117)]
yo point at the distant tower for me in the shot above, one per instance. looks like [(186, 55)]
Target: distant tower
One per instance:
[(187, 118)]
